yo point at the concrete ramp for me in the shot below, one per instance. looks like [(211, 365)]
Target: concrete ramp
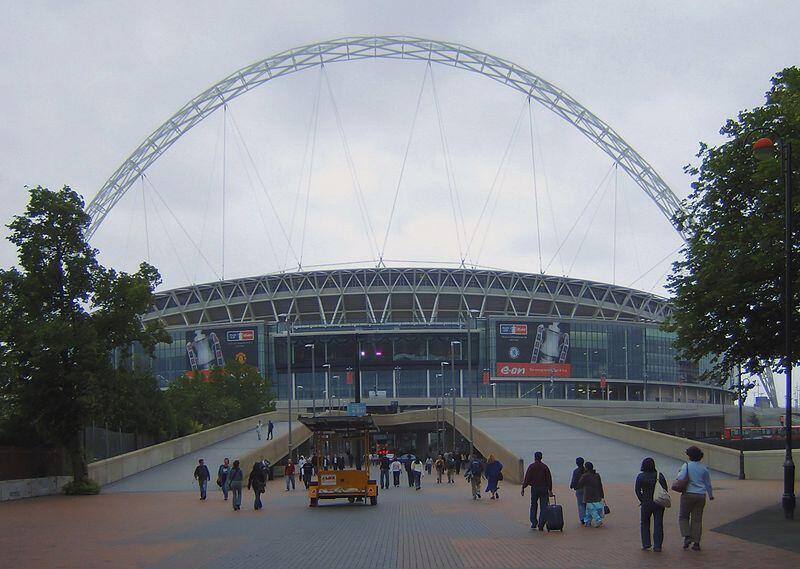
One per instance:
[(616, 461), (178, 474)]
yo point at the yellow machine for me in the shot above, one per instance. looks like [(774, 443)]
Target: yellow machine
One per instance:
[(341, 436)]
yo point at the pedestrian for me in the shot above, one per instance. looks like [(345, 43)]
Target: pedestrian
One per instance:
[(396, 468), (593, 496), (259, 429), (457, 459), (202, 475), (258, 483), (645, 488), (409, 470), (342, 462), (474, 472), (383, 463), (235, 482), (270, 426), (450, 466), (494, 474), (540, 480), (576, 475), (299, 466), (417, 467), (429, 465), (349, 458), (265, 467), (439, 466), (288, 474), (222, 477), (693, 498), (306, 472)]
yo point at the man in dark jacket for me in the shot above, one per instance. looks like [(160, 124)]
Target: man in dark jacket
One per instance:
[(538, 477), (383, 462), (475, 472), (576, 475), (202, 475), (593, 495)]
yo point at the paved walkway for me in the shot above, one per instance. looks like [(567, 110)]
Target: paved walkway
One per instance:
[(560, 444), (178, 474), (437, 527)]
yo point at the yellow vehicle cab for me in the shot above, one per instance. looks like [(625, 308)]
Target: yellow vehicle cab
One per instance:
[(348, 440)]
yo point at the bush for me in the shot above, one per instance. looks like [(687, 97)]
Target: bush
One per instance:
[(81, 488)]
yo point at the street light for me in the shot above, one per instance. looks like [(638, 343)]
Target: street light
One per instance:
[(296, 387), (335, 392), (327, 387), (396, 378), (289, 350), (764, 148), (494, 391), (313, 379), (453, 343), (441, 394), (470, 378)]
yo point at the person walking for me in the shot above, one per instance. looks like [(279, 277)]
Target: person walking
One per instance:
[(258, 483), (593, 496), (396, 468), (645, 488), (693, 499), (306, 472), (429, 465), (383, 464), (235, 482), (494, 473), (540, 480), (475, 472), (288, 474), (576, 475), (259, 429), (270, 426), (409, 471), (417, 467), (222, 477), (439, 466), (458, 460), (202, 475), (450, 465)]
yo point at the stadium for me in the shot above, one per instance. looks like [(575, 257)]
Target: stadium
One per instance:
[(505, 334)]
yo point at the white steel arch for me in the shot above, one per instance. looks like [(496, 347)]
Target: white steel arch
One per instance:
[(385, 47)]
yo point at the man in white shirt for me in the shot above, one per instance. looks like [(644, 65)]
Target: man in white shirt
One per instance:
[(396, 468)]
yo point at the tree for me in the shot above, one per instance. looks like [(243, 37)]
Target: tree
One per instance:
[(225, 394), (728, 285), (62, 315)]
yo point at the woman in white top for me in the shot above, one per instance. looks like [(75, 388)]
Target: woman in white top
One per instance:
[(693, 499), (396, 468), (416, 468)]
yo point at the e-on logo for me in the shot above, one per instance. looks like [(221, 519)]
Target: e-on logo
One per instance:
[(513, 352)]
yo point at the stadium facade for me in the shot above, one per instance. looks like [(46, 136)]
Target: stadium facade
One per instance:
[(530, 335)]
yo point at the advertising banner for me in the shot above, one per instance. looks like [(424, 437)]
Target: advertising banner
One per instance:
[(532, 349), (209, 347)]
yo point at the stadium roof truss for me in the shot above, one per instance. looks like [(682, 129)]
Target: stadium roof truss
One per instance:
[(400, 295), (382, 47)]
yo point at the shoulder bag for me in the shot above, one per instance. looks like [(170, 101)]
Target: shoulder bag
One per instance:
[(661, 496), (681, 484)]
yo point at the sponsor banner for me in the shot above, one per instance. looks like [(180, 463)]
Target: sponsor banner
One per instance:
[(532, 349), (212, 347), (349, 378), (533, 370), (486, 377)]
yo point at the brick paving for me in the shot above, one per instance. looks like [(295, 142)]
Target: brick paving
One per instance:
[(439, 526)]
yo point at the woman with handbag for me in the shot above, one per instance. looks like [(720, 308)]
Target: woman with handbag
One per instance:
[(235, 483), (593, 496), (494, 474), (651, 487), (258, 483), (694, 482)]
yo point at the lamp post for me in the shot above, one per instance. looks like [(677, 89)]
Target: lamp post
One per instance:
[(470, 378), (334, 378), (441, 395), (453, 343), (396, 378), (300, 387), (438, 431), (327, 367), (494, 391), (289, 376), (765, 148), (313, 379)]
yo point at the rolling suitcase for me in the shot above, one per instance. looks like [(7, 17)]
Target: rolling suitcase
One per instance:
[(554, 517)]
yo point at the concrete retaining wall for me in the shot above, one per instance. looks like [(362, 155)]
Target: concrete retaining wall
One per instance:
[(118, 467), (31, 487), (759, 465)]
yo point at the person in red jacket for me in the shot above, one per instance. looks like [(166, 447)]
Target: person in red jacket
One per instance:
[(288, 474), (538, 477)]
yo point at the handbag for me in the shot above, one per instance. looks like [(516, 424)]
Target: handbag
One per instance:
[(681, 484), (661, 496), (606, 509), (500, 476)]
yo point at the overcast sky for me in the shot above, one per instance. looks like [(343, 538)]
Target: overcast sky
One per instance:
[(84, 83)]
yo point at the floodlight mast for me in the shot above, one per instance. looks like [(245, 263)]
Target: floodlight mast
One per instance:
[(383, 47)]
